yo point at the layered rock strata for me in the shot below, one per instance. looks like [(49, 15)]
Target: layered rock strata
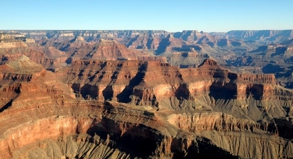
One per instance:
[(141, 109)]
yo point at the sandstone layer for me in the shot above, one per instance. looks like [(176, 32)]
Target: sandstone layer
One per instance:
[(108, 96), (141, 109), (268, 51)]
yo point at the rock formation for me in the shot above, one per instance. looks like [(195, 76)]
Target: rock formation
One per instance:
[(227, 48), (143, 109), (264, 35), (137, 107), (13, 46), (186, 59)]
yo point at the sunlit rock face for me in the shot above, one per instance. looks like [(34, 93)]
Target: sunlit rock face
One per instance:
[(141, 109)]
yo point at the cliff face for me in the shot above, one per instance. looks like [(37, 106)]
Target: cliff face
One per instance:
[(269, 35), (154, 80), (78, 48), (112, 49), (143, 109), (13, 46), (238, 49), (186, 59), (256, 98), (55, 124), (150, 38)]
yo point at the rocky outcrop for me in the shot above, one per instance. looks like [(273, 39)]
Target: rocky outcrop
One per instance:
[(104, 130), (53, 124), (186, 59), (274, 50), (157, 40), (49, 57), (167, 44), (144, 41), (102, 50), (141, 109), (152, 83), (8, 45), (230, 48), (105, 49)]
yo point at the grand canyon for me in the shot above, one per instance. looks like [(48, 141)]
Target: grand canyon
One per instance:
[(93, 94)]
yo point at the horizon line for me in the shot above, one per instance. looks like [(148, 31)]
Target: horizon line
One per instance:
[(145, 30)]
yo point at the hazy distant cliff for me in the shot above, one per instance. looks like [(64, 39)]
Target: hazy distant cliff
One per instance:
[(186, 35)]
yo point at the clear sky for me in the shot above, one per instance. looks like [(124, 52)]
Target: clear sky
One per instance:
[(170, 15)]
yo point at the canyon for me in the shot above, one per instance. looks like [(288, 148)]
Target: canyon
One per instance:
[(146, 94)]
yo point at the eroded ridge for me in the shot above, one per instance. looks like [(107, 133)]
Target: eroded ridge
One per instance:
[(141, 109)]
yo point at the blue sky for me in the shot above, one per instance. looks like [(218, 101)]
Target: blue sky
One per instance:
[(170, 15)]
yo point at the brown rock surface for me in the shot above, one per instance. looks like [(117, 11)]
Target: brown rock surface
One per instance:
[(78, 48), (233, 48), (48, 57), (141, 109), (112, 50)]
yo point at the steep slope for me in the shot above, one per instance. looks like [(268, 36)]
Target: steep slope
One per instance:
[(144, 41), (143, 109), (221, 46), (55, 125), (256, 104), (186, 59), (13, 48), (167, 44), (78, 48), (105, 49), (23, 76), (97, 108)]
